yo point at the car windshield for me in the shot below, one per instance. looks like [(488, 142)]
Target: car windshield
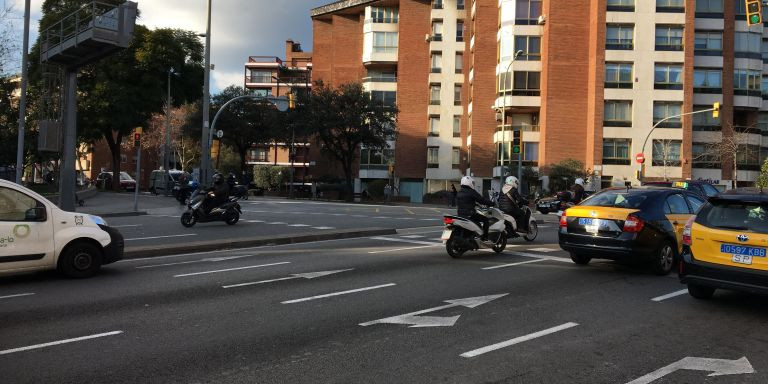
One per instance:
[(617, 199), (710, 190), (740, 216), (125, 176)]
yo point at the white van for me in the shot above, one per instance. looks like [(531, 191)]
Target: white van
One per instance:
[(158, 178), (36, 235)]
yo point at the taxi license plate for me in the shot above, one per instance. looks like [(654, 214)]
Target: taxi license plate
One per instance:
[(446, 234), (742, 250), (587, 222), (742, 259)]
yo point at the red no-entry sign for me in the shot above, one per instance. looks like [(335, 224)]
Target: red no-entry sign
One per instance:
[(640, 158)]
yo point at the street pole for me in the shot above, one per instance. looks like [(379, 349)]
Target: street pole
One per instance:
[(138, 179), (167, 146), (23, 100), (205, 161), (504, 120), (67, 168)]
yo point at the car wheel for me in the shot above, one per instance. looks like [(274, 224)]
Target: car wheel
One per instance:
[(580, 259), (664, 259), (188, 219), (81, 259), (700, 291)]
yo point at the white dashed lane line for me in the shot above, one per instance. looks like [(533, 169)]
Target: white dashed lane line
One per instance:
[(16, 295), (670, 295), (517, 340)]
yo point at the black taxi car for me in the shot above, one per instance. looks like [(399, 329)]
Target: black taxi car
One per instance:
[(725, 246), (642, 224), (701, 187)]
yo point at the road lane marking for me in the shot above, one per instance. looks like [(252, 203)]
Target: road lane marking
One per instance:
[(404, 249), (337, 293), (536, 256), (254, 221), (395, 239), (542, 250), (16, 295), (160, 237), (409, 211), (670, 295), (413, 236), (299, 225), (276, 223), (210, 259), (37, 346), (323, 228), (232, 269), (517, 340), (514, 264), (125, 226), (309, 275)]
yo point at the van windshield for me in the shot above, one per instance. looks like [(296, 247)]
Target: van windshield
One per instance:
[(740, 216)]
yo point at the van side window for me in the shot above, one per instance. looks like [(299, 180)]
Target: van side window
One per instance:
[(14, 205)]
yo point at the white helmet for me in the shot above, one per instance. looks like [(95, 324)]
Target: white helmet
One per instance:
[(580, 181), (512, 182), (468, 181)]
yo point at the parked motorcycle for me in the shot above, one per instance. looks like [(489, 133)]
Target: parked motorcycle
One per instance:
[(462, 234), (229, 212)]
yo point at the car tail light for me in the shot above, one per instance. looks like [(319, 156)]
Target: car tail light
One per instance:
[(633, 224), (687, 239), (447, 220), (563, 220)]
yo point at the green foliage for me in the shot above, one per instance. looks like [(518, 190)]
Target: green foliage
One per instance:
[(376, 188), (762, 179), (563, 174), (269, 177)]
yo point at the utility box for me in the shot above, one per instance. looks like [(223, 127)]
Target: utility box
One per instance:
[(49, 136)]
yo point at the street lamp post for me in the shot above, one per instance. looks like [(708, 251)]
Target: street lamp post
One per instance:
[(504, 120), (291, 149), (23, 96), (167, 146), (205, 160)]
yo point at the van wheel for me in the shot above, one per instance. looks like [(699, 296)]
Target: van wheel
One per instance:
[(80, 260), (664, 259), (580, 259), (700, 291)]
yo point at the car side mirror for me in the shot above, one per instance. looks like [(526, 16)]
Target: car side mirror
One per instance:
[(35, 214)]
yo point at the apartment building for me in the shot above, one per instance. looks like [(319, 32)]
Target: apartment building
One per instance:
[(273, 76)]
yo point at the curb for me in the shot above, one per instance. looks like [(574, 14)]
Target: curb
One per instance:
[(207, 246)]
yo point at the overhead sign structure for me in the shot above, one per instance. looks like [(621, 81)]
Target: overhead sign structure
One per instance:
[(718, 367), (414, 320)]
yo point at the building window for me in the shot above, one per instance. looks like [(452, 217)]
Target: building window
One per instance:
[(669, 38), (457, 94), (619, 37), (664, 109), (460, 30), (530, 152), (373, 159), (384, 15), (668, 76), (259, 76), (765, 88), (261, 91), (459, 4), (433, 158), (434, 126), (437, 4), (705, 155), (385, 98), (434, 94), (531, 47), (526, 83), (709, 9), (706, 80), (455, 157), (385, 42), (617, 113), (666, 153), (747, 82), (457, 126), (527, 12), (616, 151), (621, 5), (437, 30), (437, 62), (618, 75), (506, 48), (704, 122), (739, 8), (708, 44), (459, 62), (747, 45), (259, 155), (381, 76), (748, 157), (670, 6)]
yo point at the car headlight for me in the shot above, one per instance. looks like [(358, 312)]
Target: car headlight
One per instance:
[(98, 220)]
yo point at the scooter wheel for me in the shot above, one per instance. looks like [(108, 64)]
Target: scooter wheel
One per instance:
[(533, 231), (453, 247), (232, 217), (501, 244), (188, 219)]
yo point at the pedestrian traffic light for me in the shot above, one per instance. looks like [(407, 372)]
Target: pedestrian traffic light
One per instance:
[(716, 110), (137, 137), (516, 141), (754, 12)]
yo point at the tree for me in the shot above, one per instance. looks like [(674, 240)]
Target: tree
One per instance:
[(666, 152), (347, 118), (245, 122), (762, 179), (185, 144), (563, 174), (730, 151)]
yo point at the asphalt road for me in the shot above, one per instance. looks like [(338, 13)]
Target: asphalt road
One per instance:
[(536, 318), (278, 217)]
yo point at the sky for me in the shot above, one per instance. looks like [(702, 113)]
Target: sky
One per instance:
[(239, 28)]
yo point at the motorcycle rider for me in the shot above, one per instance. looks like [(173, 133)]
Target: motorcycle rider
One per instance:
[(217, 194), (578, 191), (466, 199), (510, 202)]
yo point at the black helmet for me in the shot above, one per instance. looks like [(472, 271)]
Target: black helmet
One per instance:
[(217, 179)]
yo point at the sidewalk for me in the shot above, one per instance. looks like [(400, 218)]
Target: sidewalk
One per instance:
[(113, 204)]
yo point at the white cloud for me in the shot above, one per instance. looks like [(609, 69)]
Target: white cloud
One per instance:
[(223, 79)]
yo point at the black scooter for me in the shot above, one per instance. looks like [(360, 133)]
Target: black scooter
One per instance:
[(228, 212)]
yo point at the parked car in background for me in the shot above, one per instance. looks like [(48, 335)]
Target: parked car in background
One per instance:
[(158, 181), (104, 181)]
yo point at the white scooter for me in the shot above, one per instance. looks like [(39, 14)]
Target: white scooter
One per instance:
[(461, 234), (513, 230)]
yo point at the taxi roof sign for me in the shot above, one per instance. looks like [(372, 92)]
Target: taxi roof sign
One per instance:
[(680, 184)]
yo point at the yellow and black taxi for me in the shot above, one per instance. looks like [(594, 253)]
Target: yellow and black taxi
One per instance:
[(642, 224), (724, 246), (701, 187)]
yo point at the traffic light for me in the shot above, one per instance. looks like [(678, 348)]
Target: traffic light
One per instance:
[(291, 100), (754, 12), (516, 141), (137, 137), (716, 110)]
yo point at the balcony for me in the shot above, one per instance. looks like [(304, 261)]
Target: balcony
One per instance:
[(271, 81), (276, 62), (380, 79)]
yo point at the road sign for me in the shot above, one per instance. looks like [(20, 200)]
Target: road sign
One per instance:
[(718, 367), (219, 134), (640, 158), (414, 320)]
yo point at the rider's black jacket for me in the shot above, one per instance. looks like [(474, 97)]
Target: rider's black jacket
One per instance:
[(466, 200), (221, 192), (510, 201)]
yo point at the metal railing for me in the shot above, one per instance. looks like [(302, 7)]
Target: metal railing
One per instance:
[(89, 16)]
